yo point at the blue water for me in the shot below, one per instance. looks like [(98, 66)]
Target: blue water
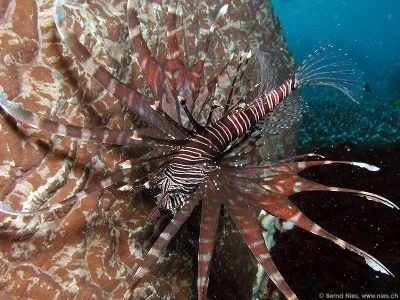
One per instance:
[(366, 28), (369, 31)]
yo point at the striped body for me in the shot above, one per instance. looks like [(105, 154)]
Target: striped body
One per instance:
[(189, 167)]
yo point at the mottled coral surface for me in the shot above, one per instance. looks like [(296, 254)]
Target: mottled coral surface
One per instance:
[(90, 253)]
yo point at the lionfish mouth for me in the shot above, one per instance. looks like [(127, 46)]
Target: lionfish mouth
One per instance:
[(185, 129)]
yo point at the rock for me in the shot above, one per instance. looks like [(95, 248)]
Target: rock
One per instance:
[(91, 252)]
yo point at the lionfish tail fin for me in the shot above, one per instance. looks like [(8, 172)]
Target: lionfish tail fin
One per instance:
[(329, 66)]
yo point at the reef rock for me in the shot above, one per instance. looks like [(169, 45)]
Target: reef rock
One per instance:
[(91, 252)]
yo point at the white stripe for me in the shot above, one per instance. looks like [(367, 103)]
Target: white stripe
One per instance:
[(259, 111), (90, 65), (295, 218), (256, 244), (166, 236), (209, 142), (62, 129), (276, 97), (219, 133), (191, 149), (112, 86), (135, 31), (233, 122), (270, 103), (154, 252), (214, 135), (248, 125), (255, 114), (283, 90), (205, 257), (237, 121), (225, 130), (190, 158), (262, 108)]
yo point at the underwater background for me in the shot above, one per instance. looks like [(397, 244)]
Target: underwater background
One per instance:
[(369, 31), (337, 128)]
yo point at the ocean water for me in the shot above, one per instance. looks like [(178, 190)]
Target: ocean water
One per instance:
[(369, 31)]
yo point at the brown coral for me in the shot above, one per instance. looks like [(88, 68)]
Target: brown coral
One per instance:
[(91, 251)]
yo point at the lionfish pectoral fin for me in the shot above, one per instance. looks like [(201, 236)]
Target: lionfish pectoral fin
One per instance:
[(286, 210), (195, 71), (208, 232), (300, 184), (159, 80), (299, 157), (245, 220), (283, 208), (304, 185), (102, 135), (55, 211), (154, 214), (161, 243), (172, 42), (300, 220), (174, 68), (136, 102)]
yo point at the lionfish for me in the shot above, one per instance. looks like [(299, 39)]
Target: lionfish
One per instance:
[(189, 161)]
